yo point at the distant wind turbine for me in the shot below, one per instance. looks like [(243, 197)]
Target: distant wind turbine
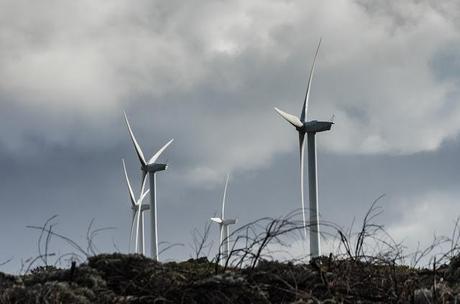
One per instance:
[(150, 167), (138, 209), (312, 127), (224, 226)]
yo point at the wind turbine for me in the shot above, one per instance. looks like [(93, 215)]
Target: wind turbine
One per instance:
[(138, 209), (224, 226), (150, 167), (311, 127)]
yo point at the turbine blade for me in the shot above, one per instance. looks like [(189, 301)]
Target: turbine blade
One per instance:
[(136, 145), (133, 216), (303, 115), (224, 198), (302, 161), (217, 220), (138, 227), (131, 194), (143, 196), (290, 118), (143, 180), (155, 157)]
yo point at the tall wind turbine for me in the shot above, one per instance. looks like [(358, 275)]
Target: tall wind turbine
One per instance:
[(138, 208), (224, 226), (311, 127), (150, 167)]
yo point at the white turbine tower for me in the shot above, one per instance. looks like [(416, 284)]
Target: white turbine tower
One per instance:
[(150, 167), (138, 208), (224, 226), (311, 128)]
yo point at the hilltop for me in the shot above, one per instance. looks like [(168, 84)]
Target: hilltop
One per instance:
[(121, 278)]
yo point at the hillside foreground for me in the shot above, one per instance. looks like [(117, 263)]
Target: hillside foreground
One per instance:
[(121, 278)]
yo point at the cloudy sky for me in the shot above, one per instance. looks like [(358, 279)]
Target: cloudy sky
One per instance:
[(208, 74)]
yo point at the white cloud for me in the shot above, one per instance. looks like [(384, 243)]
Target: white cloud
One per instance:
[(422, 218)]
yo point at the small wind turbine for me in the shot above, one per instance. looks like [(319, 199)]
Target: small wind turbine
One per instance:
[(224, 226), (138, 208), (150, 167), (311, 127)]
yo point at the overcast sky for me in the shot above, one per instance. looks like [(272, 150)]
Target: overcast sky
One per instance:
[(208, 74)]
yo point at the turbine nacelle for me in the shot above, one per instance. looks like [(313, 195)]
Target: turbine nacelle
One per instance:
[(155, 167), (315, 126), (229, 222)]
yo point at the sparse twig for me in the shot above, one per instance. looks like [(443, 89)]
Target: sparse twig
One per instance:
[(169, 246), (68, 240), (6, 261), (91, 234), (200, 240)]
